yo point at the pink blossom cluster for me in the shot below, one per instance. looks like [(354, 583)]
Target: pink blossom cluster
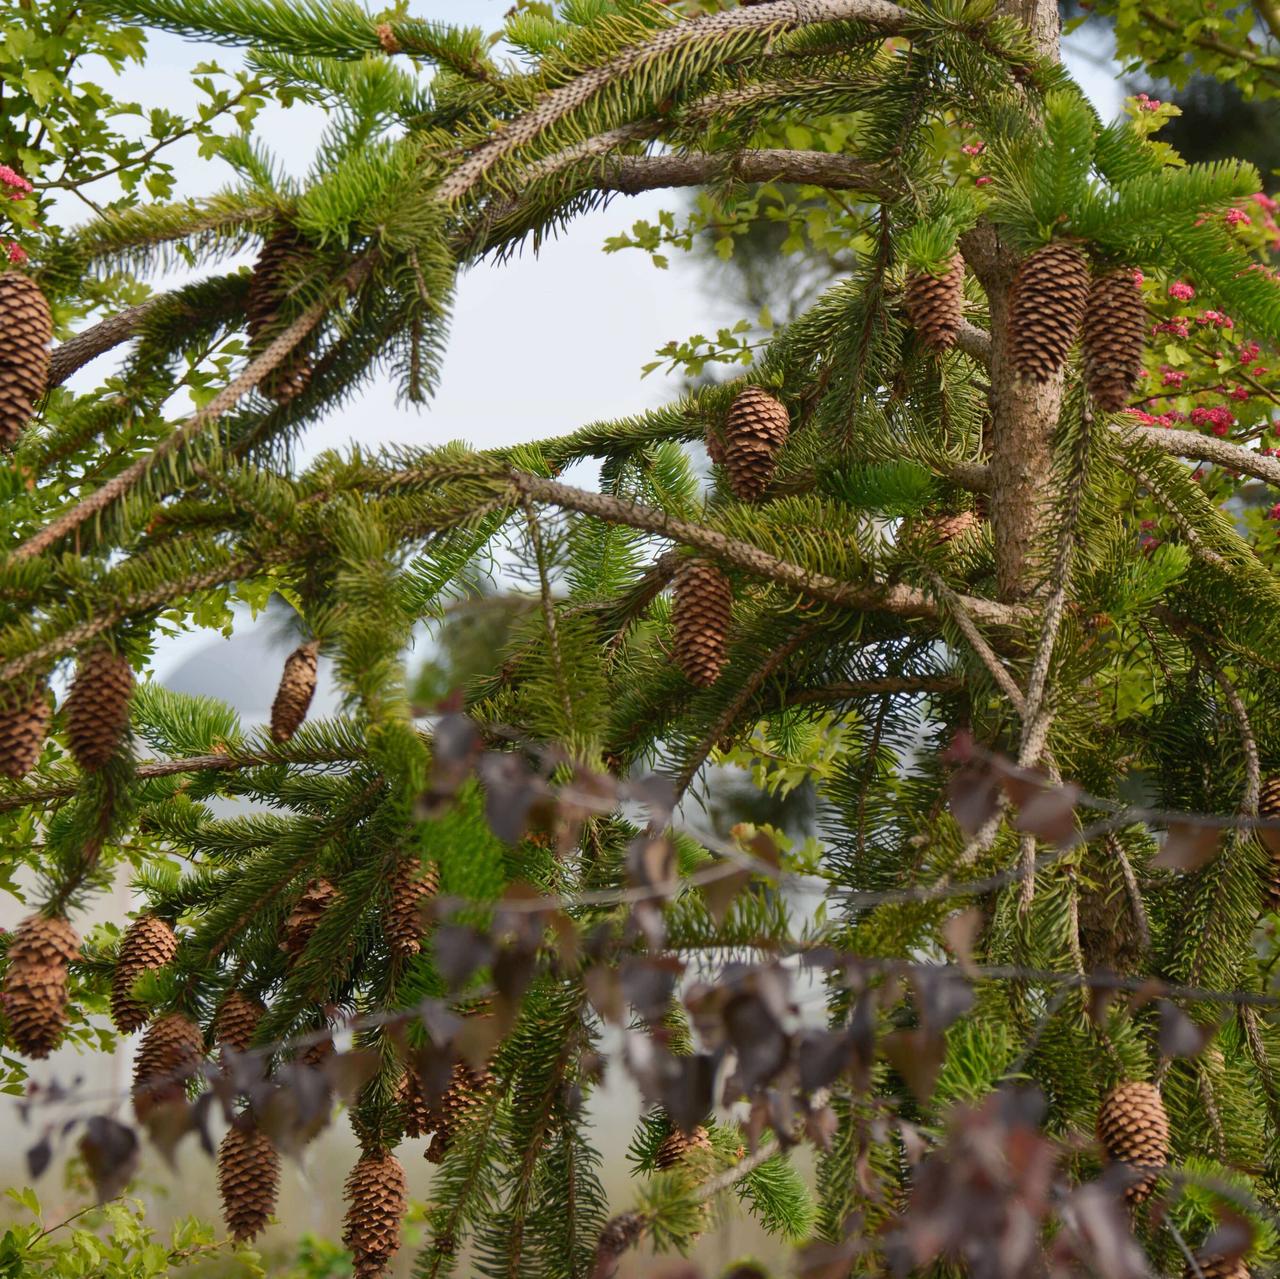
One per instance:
[(1152, 419), (1219, 420), (1249, 351), (1217, 318), (17, 184), (1274, 512), (974, 148), (1146, 103), (1169, 376), (983, 181), (16, 253), (1181, 290), (1238, 217), (1138, 279), (1177, 326)]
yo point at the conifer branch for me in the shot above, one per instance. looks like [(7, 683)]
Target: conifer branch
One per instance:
[(778, 17), (963, 618), (848, 690), (226, 399), (77, 351), (1204, 448), (897, 598)]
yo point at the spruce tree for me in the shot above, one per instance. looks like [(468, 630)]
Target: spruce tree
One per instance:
[(1019, 643)]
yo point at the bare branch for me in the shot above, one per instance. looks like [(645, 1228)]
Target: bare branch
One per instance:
[(974, 341), (896, 597), (1205, 448), (102, 337)]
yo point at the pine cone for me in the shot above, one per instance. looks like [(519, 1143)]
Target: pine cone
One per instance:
[(170, 1053), (703, 614), (282, 253), (148, 943), (946, 528), (24, 724), (293, 697), (1134, 1130), (679, 1146), (1269, 808), (1218, 1268), (419, 1118), (754, 431), (1114, 339), (461, 1100), (1048, 302), (376, 1191), (35, 983), (248, 1181), (26, 330), (98, 707), (413, 886), (236, 1021), (619, 1234), (306, 915), (935, 304)]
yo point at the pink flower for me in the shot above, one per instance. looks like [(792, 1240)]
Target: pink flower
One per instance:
[(1171, 376), (1215, 317), (1138, 279), (1249, 351), (1264, 201), (1240, 392), (17, 254), (983, 181), (974, 148), (1150, 419), (1258, 370), (1218, 420), (1182, 291), (1238, 217), (1274, 512), (1148, 104), (10, 178), (1147, 525), (1178, 327)]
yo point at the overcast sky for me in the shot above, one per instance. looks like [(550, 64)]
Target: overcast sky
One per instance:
[(539, 345)]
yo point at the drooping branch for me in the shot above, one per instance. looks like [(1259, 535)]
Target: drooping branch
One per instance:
[(780, 16), (102, 337), (889, 597)]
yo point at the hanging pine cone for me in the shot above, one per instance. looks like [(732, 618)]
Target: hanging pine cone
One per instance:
[(26, 330), (619, 1234), (24, 724), (1114, 339), (148, 943), (713, 440), (458, 1106), (1218, 1268), (170, 1053), (35, 983), (306, 915), (315, 1055), (376, 1191), (703, 613), (1134, 1130), (935, 304), (754, 432), (419, 1118), (413, 886), (678, 1147), (293, 697), (236, 1021), (98, 707), (282, 254), (248, 1181), (1269, 809), (942, 529), (1048, 302)]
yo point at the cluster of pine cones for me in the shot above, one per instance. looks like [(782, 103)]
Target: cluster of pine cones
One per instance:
[(1053, 299)]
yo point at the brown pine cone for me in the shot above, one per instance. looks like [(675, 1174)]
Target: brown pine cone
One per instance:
[(35, 983), (1114, 339), (458, 1106), (942, 529), (98, 707), (148, 943), (678, 1147), (24, 724), (168, 1058), (754, 432), (414, 885), (26, 330), (419, 1118), (935, 304), (1048, 302), (703, 614), (305, 916), (248, 1181), (236, 1020), (297, 688), (283, 253), (1269, 809), (377, 1193), (1218, 1268), (1134, 1130)]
